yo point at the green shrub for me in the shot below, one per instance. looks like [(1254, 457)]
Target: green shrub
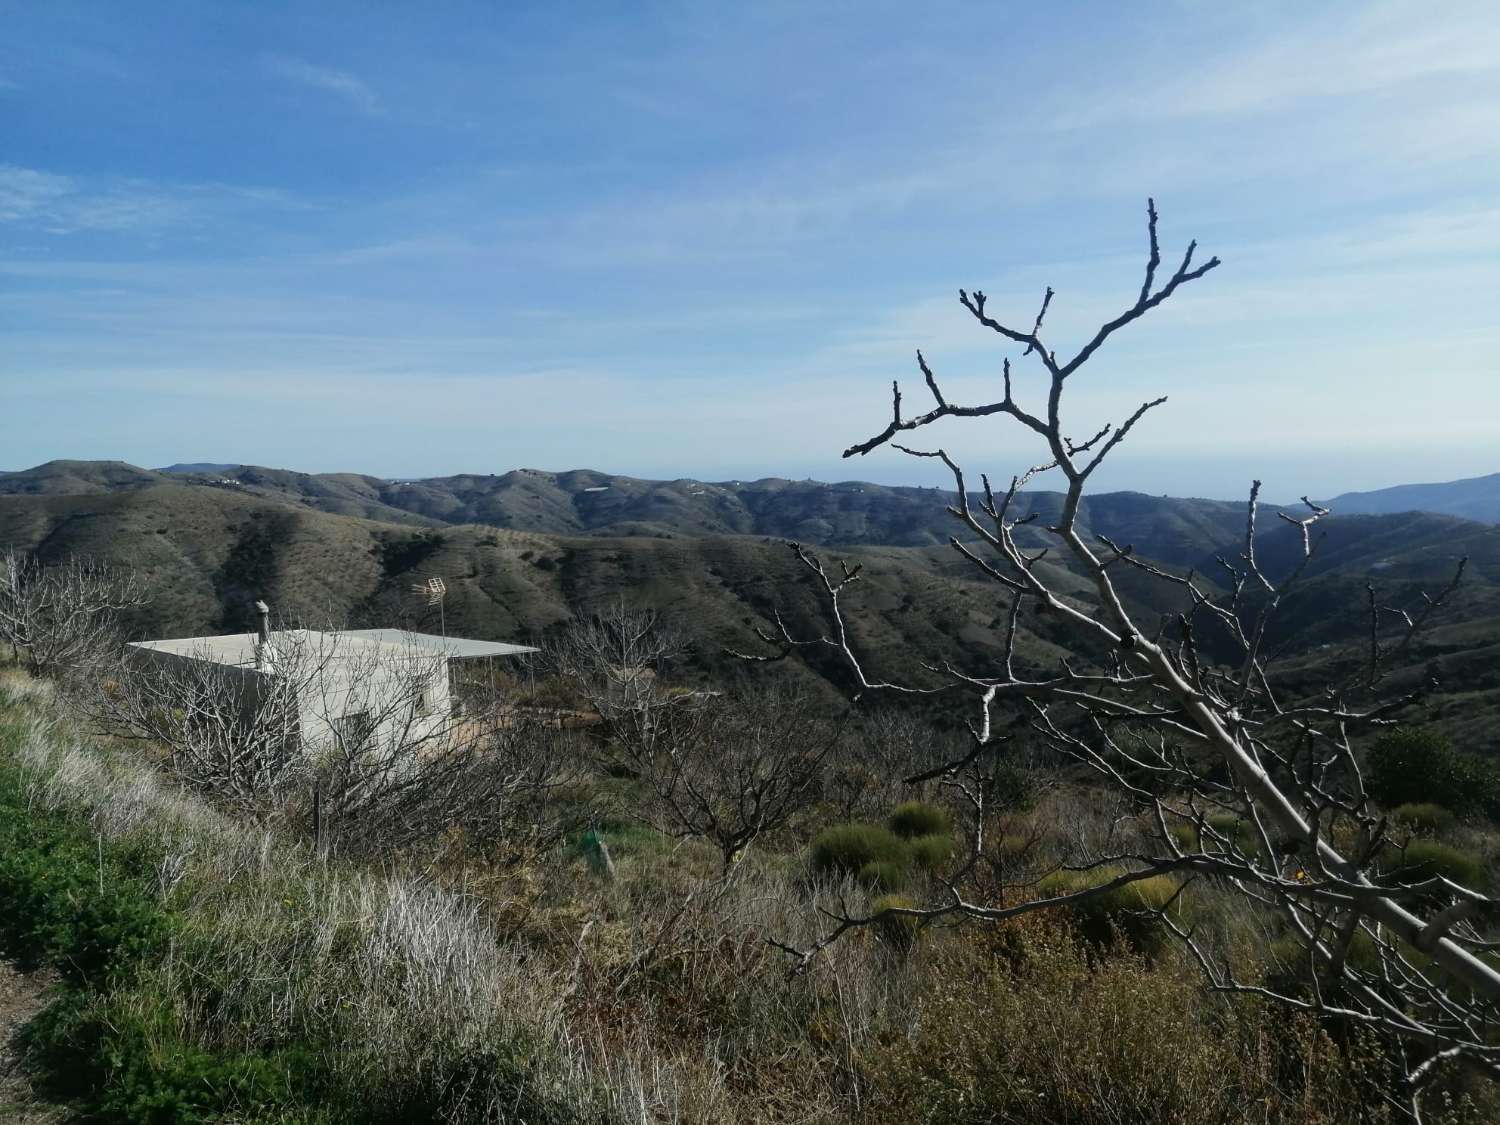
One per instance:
[(132, 1067), (897, 930), (1119, 912), (1185, 835), (845, 849), (1014, 787), (1427, 859), (1290, 960), (66, 901), (1424, 817), (931, 853), (1420, 766), (912, 819), (884, 874)]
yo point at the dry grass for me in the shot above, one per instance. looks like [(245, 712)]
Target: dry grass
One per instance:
[(452, 981)]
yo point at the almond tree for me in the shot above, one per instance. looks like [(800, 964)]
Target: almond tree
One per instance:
[(63, 616), (733, 768), (1185, 717)]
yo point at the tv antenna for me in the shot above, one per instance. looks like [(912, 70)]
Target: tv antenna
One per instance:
[(434, 590)]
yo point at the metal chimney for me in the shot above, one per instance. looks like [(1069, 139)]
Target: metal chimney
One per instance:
[(265, 653)]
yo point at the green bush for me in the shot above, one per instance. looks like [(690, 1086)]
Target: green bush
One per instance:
[(135, 1068), (1014, 787), (931, 853), (1427, 859), (1290, 959), (912, 819), (884, 874), (845, 849), (1120, 912), (1424, 817), (1185, 835), (68, 902), (1237, 830), (1420, 766)]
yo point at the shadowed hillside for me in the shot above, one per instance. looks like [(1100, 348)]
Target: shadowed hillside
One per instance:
[(583, 502), (210, 551), (208, 554)]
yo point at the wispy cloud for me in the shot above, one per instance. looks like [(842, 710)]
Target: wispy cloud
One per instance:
[(25, 192), (1346, 52), (59, 204), (341, 83)]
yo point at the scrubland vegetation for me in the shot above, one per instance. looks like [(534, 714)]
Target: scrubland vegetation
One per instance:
[(213, 968)]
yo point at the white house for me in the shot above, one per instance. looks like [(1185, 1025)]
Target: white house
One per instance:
[(349, 685)]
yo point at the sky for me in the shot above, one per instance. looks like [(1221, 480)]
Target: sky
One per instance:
[(700, 239)]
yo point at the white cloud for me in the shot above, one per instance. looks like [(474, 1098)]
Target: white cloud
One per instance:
[(351, 88), (61, 204), (1349, 51), (24, 192)]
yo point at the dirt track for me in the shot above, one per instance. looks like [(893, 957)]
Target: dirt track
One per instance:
[(21, 997)]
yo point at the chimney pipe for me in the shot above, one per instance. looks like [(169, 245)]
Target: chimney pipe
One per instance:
[(265, 655)]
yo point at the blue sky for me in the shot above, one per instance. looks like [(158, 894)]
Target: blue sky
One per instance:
[(694, 239)]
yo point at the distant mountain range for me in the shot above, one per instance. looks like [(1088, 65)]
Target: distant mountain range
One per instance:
[(1476, 498), (586, 502), (526, 550)]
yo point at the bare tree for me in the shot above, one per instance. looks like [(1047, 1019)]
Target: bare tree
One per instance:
[(732, 768), (615, 661), (1183, 716), (223, 729), (63, 616)]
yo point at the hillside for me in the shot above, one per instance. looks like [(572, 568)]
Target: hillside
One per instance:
[(1475, 498), (584, 502), (211, 551)]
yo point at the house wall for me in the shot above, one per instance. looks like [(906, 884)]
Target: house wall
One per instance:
[(380, 689), (247, 686), (337, 684)]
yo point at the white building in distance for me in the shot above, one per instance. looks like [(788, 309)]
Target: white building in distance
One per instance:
[(345, 686)]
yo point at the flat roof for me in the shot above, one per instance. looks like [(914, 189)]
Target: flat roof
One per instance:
[(239, 648), (453, 647)]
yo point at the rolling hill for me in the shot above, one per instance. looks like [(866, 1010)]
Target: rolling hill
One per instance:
[(713, 558), (1475, 498), (584, 502), (209, 553)]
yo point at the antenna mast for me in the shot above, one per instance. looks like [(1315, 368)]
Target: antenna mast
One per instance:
[(434, 590)]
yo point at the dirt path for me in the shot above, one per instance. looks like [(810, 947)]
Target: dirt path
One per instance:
[(21, 997)]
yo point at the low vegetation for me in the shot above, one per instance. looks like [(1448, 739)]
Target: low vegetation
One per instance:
[(216, 969)]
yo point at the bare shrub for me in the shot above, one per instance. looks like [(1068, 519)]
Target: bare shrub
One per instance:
[(731, 768), (65, 616)]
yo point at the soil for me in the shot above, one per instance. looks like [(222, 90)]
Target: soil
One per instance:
[(22, 995)]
